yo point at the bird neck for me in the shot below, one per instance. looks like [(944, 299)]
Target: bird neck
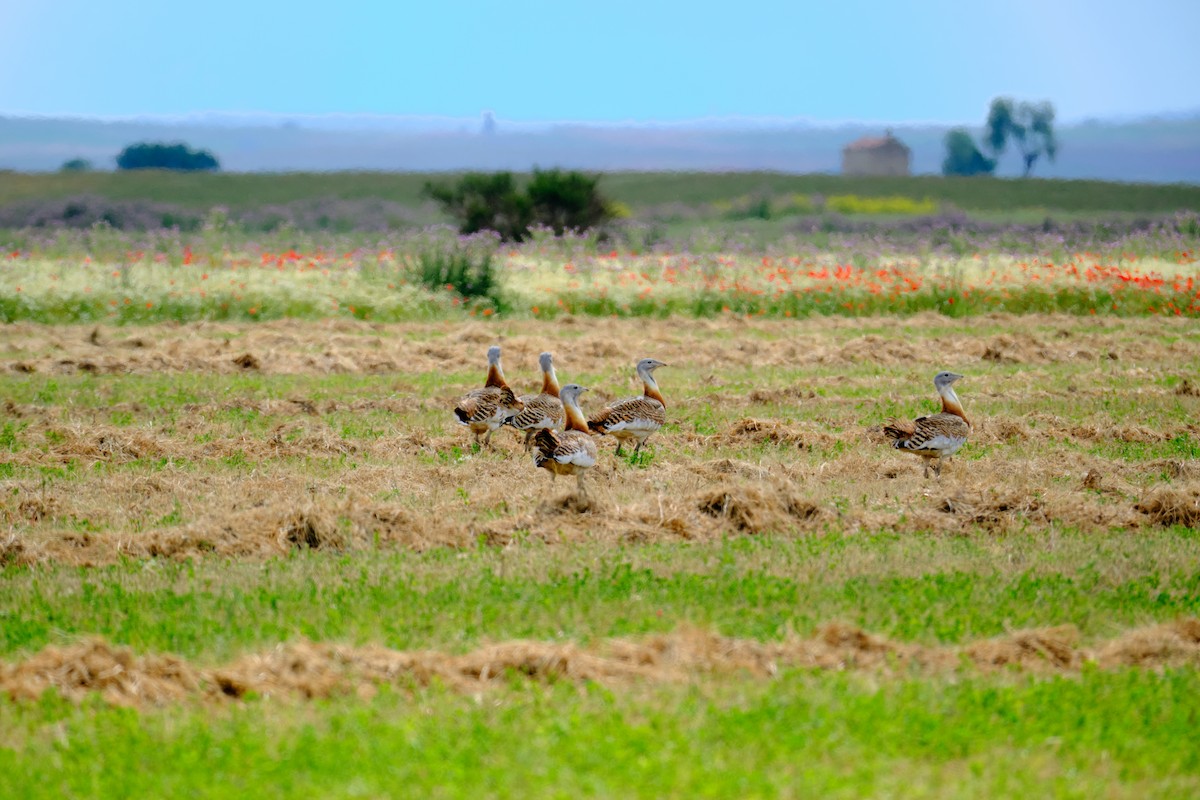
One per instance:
[(550, 383), (650, 387), (575, 419), (495, 376), (951, 404)]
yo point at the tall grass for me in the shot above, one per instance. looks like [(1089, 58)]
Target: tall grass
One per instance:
[(98, 276)]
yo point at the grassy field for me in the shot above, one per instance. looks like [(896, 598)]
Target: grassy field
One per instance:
[(773, 602), (638, 190), (245, 549)]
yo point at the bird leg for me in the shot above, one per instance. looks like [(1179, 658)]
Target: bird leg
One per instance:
[(938, 468), (582, 489), (529, 438), (926, 473), (619, 451)]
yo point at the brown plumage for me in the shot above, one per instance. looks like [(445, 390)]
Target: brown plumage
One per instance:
[(571, 452), (543, 410), (484, 410), (936, 436), (634, 417)]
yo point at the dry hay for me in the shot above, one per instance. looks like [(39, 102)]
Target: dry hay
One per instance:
[(752, 509), (1171, 645), (1187, 389), (315, 670), (208, 483), (324, 346), (275, 528), (1172, 507), (116, 673), (778, 433)]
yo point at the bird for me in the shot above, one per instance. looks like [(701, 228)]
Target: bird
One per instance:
[(543, 410), (634, 417), (484, 410), (571, 451), (939, 435)]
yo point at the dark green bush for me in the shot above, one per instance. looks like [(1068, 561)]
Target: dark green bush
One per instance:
[(178, 156), (553, 199), (963, 156), (566, 201), (76, 165), (483, 202)]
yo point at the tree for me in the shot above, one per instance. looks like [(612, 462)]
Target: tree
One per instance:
[(177, 156), (567, 201), (1029, 125), (76, 165), (559, 200), (963, 156), (485, 202)]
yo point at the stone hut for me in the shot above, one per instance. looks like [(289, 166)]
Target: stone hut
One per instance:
[(876, 155)]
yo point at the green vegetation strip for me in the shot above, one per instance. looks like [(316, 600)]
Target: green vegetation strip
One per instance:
[(929, 590), (1123, 734), (249, 190)]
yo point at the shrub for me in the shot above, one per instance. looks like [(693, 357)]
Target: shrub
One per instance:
[(76, 165), (465, 267), (557, 200), (963, 156), (178, 156), (566, 201), (482, 202)]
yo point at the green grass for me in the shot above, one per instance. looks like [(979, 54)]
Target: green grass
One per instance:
[(202, 453), (636, 189), (925, 589), (1125, 734)]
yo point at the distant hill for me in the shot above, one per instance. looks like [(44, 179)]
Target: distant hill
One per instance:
[(1165, 150)]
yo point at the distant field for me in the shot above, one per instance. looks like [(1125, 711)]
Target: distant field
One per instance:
[(636, 190)]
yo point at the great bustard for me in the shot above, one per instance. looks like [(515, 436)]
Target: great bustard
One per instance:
[(939, 435), (571, 452), (543, 410), (484, 410), (634, 417)]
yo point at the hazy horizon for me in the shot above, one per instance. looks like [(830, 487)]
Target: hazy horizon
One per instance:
[(1162, 150), (536, 61)]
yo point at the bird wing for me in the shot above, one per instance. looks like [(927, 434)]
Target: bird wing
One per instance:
[(634, 412), (933, 433), (898, 429), (539, 410), (569, 447), (481, 405)]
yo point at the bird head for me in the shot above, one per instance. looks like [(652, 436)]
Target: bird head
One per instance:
[(649, 365), (545, 361), (494, 354), (945, 378), (569, 394)]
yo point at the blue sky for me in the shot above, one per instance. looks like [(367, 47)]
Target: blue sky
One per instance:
[(613, 60)]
